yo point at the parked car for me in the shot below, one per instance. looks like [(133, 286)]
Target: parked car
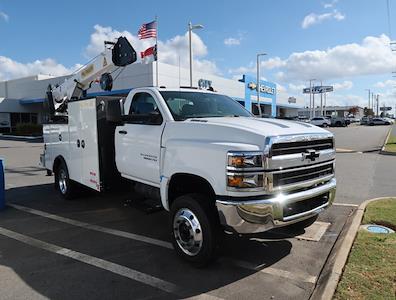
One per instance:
[(378, 121), (320, 121), (364, 120), (338, 122), (390, 120)]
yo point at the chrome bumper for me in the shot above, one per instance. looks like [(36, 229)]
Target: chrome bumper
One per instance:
[(252, 216)]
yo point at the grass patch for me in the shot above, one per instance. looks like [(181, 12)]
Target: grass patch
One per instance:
[(391, 144), (370, 272)]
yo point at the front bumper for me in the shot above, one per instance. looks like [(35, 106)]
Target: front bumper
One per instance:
[(258, 215)]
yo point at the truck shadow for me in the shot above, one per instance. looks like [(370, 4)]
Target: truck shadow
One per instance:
[(240, 257)]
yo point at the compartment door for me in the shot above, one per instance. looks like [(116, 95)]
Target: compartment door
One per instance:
[(89, 144)]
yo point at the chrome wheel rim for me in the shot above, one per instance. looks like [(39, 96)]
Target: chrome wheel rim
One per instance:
[(187, 232), (62, 181)]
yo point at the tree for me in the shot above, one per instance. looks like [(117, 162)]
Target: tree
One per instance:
[(353, 110)]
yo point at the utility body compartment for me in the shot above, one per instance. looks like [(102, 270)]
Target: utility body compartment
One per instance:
[(85, 141)]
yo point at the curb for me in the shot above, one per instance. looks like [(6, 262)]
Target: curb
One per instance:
[(345, 247), (382, 151)]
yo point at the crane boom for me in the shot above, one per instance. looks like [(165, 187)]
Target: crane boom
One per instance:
[(119, 54)]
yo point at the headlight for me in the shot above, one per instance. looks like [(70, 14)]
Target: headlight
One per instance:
[(246, 180), (245, 171), (244, 160)]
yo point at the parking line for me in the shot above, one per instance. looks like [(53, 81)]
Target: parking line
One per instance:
[(99, 228), (273, 271), (124, 234), (345, 204), (94, 261)]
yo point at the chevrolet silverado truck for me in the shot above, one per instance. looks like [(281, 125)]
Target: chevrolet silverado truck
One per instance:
[(209, 161)]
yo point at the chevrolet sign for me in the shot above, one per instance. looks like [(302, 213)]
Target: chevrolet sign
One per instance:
[(263, 88)]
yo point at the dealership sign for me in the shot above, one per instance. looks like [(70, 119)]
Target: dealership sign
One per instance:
[(385, 108), (318, 89), (204, 84), (263, 88)]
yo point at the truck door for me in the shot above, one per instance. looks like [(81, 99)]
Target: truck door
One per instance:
[(138, 142)]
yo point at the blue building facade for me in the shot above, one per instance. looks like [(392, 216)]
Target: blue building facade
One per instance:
[(267, 94)]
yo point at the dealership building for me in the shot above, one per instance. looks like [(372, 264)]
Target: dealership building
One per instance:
[(23, 100)]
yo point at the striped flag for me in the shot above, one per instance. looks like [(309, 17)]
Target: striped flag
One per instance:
[(148, 30), (150, 54)]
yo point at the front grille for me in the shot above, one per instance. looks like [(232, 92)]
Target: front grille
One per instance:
[(309, 173), (298, 207), (301, 146)]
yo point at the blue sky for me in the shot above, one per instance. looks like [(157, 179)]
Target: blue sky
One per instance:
[(342, 42)]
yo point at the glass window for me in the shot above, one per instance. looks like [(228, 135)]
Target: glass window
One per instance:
[(184, 105), (143, 104), (33, 118)]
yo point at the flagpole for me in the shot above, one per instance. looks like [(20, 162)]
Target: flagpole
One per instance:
[(156, 46)]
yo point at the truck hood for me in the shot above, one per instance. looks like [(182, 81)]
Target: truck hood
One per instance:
[(265, 127)]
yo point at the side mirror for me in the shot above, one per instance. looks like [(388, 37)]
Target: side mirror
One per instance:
[(114, 111), (155, 118)]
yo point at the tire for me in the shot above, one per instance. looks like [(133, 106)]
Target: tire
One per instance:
[(338, 124), (324, 124), (49, 173), (195, 229), (304, 223), (64, 185)]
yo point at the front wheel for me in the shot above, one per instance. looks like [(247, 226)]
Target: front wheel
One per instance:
[(195, 229)]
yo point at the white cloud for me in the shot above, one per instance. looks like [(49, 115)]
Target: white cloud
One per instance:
[(4, 16), (232, 41), (346, 85), (385, 84), (168, 52), (12, 69), (330, 4), (372, 56), (314, 18)]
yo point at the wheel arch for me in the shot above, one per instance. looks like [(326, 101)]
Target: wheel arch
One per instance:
[(186, 183), (57, 162)]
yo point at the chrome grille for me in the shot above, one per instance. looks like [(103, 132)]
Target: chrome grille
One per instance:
[(295, 176), (293, 147)]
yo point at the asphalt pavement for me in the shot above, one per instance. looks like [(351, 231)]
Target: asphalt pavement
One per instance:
[(363, 173), (103, 246)]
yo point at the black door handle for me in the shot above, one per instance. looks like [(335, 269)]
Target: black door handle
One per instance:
[(82, 143), (122, 132), (78, 143)]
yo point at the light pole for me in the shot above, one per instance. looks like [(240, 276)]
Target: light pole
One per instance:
[(258, 82), (369, 94), (310, 98), (190, 29)]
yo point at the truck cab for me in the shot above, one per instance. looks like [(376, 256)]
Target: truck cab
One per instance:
[(210, 162)]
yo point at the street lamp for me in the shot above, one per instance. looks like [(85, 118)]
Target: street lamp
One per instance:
[(369, 95), (311, 103), (190, 29), (258, 82)]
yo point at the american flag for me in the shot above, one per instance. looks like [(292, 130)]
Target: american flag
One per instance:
[(148, 30)]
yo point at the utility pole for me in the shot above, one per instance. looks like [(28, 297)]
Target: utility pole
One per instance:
[(377, 98)]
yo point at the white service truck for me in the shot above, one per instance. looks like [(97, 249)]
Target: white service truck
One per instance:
[(209, 161)]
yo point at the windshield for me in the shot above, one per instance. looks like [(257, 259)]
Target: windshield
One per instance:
[(184, 105)]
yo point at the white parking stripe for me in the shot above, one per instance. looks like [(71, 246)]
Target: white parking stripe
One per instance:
[(272, 271), (115, 232), (94, 261), (345, 204)]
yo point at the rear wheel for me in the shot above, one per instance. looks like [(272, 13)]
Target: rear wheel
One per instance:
[(65, 186), (195, 229)]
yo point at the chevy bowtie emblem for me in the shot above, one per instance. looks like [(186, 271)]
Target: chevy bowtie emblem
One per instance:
[(252, 86), (310, 154)]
